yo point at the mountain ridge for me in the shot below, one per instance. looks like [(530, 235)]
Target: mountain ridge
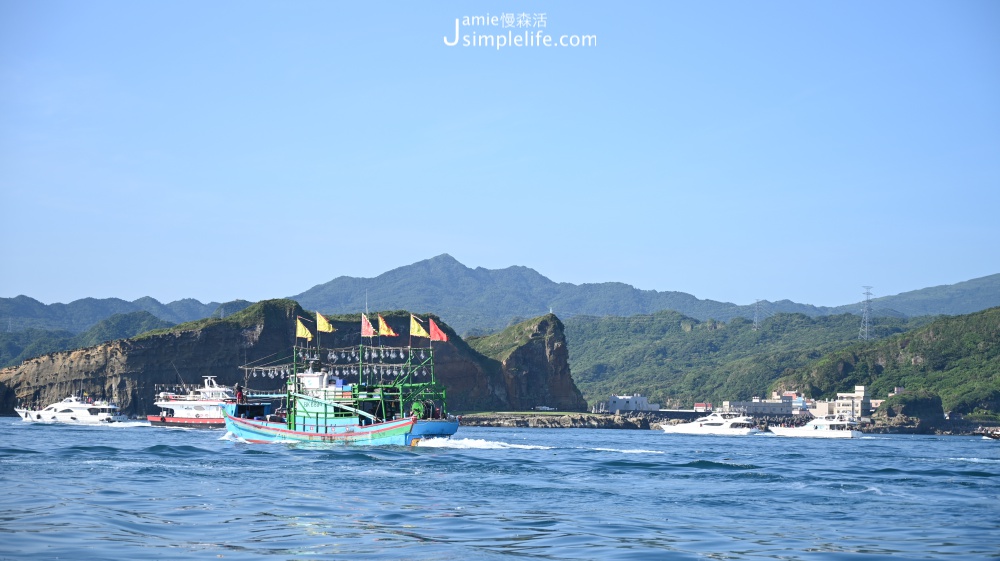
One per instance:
[(79, 315), (478, 301)]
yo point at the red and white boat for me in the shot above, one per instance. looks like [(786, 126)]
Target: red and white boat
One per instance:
[(201, 407)]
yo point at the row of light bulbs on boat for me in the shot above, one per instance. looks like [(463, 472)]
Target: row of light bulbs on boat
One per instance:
[(341, 372), (273, 373), (353, 355)]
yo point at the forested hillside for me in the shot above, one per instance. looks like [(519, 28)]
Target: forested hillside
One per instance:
[(677, 360), (958, 358), (20, 345)]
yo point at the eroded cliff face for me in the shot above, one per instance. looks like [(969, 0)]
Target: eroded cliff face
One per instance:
[(536, 372), (127, 371)]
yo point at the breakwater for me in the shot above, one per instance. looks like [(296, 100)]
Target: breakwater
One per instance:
[(568, 421)]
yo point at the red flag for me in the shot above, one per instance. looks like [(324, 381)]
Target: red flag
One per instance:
[(366, 327), (436, 333)]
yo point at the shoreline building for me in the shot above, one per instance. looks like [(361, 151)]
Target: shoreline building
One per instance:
[(856, 404), (851, 405), (758, 406), (620, 403)]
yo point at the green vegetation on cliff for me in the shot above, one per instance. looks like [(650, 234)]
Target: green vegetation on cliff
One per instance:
[(919, 403), (256, 314), (500, 345)]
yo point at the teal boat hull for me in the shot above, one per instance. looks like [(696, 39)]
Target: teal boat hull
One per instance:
[(400, 432)]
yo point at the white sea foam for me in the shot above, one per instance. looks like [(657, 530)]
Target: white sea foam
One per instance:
[(976, 460), (475, 443), (128, 424), (635, 451), (232, 438)]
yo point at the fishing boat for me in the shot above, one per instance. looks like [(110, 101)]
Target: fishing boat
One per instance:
[(827, 426), (726, 424), (365, 395), (201, 407), (74, 410)]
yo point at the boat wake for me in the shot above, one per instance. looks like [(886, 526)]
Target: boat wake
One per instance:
[(128, 424), (475, 443)]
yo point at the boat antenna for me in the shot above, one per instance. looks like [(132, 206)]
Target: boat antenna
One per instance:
[(178, 374)]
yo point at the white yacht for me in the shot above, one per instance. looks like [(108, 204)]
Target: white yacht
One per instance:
[(732, 424), (75, 411), (828, 426)]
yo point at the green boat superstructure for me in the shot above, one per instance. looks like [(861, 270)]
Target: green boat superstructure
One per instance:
[(367, 395)]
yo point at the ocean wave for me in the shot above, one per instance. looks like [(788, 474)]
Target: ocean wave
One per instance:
[(708, 464), (176, 451)]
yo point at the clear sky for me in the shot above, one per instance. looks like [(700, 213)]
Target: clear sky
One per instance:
[(734, 150)]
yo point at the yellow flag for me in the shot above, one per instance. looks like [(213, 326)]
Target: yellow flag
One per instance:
[(323, 325), (383, 327), (302, 331), (417, 330)]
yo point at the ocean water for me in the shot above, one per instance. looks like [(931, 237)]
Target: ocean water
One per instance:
[(140, 492)]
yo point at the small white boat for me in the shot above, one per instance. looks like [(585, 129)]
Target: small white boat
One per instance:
[(73, 410), (732, 424), (829, 426)]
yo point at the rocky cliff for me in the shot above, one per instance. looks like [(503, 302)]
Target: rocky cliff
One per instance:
[(534, 364), (128, 370)]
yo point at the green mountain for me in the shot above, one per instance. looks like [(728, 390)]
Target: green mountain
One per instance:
[(479, 301), (957, 358), (677, 360), (17, 346), (22, 312)]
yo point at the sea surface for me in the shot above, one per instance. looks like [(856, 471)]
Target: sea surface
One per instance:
[(140, 492)]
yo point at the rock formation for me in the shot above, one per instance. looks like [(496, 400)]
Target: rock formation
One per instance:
[(128, 370), (534, 363)]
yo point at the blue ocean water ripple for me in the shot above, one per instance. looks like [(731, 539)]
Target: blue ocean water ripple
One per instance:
[(129, 493)]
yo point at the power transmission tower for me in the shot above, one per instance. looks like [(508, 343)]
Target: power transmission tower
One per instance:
[(866, 315), (756, 315)]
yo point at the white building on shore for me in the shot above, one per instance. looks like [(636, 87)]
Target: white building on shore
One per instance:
[(758, 406), (622, 403), (852, 405)]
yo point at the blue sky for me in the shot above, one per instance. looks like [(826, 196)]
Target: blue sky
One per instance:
[(733, 150)]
